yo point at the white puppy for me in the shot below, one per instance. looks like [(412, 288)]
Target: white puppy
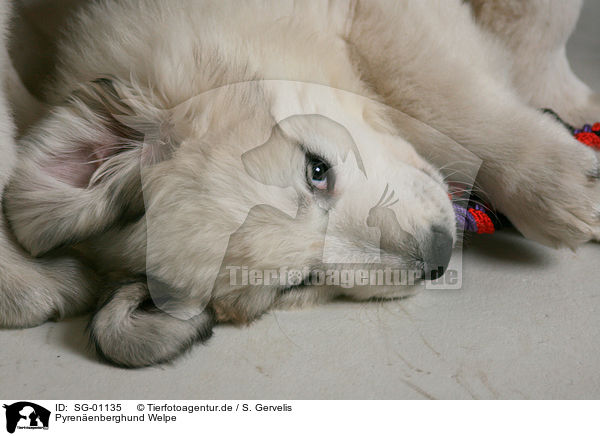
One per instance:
[(190, 141)]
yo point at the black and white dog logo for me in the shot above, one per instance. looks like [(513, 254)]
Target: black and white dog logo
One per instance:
[(25, 415)]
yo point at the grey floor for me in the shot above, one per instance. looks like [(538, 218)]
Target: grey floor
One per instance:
[(526, 324)]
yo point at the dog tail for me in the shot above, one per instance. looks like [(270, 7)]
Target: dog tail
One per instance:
[(128, 330)]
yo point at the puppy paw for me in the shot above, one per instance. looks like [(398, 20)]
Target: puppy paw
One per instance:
[(33, 291), (551, 193)]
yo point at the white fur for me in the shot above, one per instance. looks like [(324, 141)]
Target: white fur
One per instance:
[(31, 290), (536, 32), (189, 155)]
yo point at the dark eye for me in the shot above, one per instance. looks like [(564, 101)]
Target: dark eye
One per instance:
[(318, 174)]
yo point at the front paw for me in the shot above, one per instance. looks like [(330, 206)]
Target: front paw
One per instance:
[(552, 195)]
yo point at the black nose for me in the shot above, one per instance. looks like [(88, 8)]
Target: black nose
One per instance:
[(437, 251)]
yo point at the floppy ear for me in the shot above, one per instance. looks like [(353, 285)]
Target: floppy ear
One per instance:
[(79, 168)]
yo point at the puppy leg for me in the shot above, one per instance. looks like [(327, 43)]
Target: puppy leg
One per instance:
[(545, 181), (33, 291), (536, 33)]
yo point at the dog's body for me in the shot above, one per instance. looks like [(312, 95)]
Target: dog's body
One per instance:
[(192, 137)]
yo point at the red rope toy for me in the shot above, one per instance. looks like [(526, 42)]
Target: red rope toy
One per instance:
[(589, 135)]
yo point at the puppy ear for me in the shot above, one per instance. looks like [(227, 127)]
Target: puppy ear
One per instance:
[(79, 169)]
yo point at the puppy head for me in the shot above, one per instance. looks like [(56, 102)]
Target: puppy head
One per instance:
[(280, 179)]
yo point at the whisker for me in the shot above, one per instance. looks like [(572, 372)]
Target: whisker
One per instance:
[(382, 196)]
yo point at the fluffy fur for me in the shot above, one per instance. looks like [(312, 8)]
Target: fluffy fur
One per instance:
[(31, 290), (180, 135)]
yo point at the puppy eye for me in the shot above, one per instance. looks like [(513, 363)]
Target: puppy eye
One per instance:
[(317, 173)]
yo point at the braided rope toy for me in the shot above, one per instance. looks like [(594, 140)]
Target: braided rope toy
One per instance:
[(480, 218), (589, 135)]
